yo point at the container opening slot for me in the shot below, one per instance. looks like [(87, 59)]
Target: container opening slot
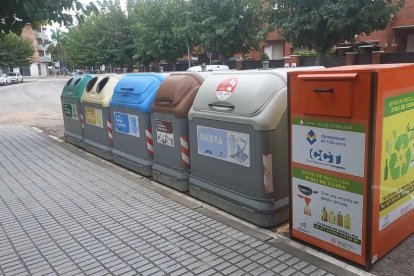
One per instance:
[(323, 90), (102, 84), (91, 84), (76, 82)]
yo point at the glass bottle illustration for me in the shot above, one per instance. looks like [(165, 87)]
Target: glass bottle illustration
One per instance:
[(340, 219), (324, 214), (331, 217), (386, 170), (347, 222)]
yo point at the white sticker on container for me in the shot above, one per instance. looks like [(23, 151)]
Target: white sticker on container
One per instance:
[(165, 134)]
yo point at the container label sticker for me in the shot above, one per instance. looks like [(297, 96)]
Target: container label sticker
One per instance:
[(93, 116), (226, 88), (268, 173), (333, 146), (70, 111), (328, 208), (126, 123), (397, 159), (224, 144), (165, 134)]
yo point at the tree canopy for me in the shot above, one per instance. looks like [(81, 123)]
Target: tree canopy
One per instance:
[(159, 30), (15, 51), (320, 24), (14, 14), (100, 39), (228, 26)]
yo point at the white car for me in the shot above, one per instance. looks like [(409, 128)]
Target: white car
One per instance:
[(4, 79), (208, 68), (15, 77)]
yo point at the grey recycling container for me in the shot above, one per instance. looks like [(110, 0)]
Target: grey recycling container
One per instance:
[(72, 110), (239, 145), (97, 120), (130, 113), (169, 119)]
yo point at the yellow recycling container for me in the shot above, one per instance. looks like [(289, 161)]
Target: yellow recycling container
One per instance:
[(95, 104)]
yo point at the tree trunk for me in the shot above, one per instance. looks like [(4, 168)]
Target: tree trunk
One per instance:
[(174, 65)]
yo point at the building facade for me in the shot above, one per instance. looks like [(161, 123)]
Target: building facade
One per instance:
[(42, 59)]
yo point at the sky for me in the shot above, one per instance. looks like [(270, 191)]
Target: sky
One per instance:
[(85, 2)]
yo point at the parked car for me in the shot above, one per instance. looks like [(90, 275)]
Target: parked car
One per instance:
[(15, 77), (209, 68), (4, 79)]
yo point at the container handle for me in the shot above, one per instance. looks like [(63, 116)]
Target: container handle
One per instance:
[(323, 90), (163, 100), (221, 105)]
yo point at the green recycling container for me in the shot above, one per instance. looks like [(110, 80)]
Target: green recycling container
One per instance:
[(71, 108)]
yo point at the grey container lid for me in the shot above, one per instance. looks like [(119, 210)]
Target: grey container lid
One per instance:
[(258, 98)]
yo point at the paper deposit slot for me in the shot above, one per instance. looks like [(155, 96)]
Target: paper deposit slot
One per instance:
[(352, 159)]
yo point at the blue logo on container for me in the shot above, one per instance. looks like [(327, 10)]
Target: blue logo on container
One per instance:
[(311, 137), (121, 122)]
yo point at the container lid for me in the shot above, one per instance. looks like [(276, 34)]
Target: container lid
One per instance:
[(239, 93), (177, 93), (75, 86), (100, 89), (137, 91)]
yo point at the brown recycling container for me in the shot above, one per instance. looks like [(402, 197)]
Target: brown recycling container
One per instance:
[(169, 119)]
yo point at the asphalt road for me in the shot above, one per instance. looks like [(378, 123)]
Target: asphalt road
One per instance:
[(36, 102)]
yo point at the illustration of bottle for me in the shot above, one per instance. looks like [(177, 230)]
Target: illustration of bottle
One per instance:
[(386, 170), (331, 217), (307, 209), (324, 214), (347, 221), (340, 219)]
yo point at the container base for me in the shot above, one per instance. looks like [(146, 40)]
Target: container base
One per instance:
[(74, 139), (97, 149), (178, 180), (272, 216), (136, 164)]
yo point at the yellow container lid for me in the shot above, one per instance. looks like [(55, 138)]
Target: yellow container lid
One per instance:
[(100, 89)]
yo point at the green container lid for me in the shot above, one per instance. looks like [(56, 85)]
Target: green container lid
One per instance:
[(75, 86)]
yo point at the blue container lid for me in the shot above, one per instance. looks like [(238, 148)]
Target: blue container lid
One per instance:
[(137, 91)]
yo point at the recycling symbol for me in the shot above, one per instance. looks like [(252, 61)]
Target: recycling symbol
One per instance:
[(400, 159)]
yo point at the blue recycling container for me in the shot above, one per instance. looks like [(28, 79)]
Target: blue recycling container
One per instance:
[(130, 113)]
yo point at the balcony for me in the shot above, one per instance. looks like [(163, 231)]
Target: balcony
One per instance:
[(41, 47), (41, 35), (45, 59)]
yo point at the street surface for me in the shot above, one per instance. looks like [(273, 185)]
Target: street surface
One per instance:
[(66, 212)]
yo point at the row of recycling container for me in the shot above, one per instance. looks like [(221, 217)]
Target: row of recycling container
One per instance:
[(210, 134), (330, 150)]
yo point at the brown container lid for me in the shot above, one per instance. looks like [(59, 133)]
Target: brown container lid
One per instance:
[(176, 94)]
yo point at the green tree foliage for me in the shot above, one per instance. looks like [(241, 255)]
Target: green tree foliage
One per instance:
[(14, 14), (320, 24), (101, 39), (15, 51), (228, 26), (158, 30)]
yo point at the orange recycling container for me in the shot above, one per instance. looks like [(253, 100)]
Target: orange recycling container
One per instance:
[(351, 156)]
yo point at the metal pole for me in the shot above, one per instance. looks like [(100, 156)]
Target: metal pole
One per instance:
[(188, 55)]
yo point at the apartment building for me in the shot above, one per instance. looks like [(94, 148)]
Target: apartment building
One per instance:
[(42, 59)]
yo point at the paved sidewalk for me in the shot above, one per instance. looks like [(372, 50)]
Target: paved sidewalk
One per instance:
[(61, 214)]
